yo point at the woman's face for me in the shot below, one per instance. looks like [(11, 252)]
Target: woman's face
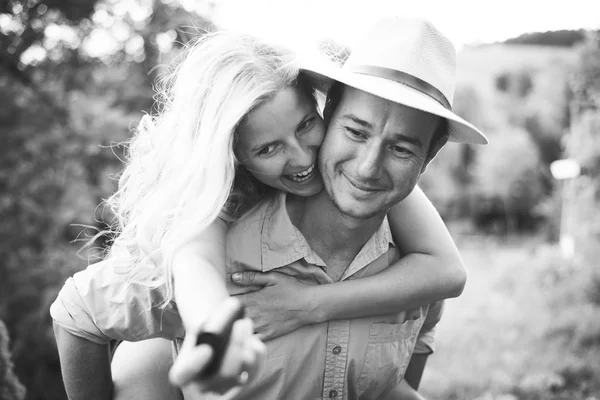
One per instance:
[(280, 141)]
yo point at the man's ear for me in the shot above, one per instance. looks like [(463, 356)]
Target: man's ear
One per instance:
[(435, 148)]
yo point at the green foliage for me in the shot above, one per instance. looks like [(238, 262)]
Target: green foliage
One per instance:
[(517, 83), (582, 195), (53, 173), (29, 20), (518, 183), (522, 327), (586, 82), (562, 38), (60, 118), (10, 387), (503, 82)]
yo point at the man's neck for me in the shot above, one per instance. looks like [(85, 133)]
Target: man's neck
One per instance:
[(335, 237)]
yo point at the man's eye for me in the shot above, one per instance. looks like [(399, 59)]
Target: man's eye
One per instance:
[(354, 133), (306, 125), (401, 150)]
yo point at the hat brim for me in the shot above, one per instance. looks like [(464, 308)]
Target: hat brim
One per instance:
[(459, 130)]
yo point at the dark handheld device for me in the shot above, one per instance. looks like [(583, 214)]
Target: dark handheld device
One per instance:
[(218, 340)]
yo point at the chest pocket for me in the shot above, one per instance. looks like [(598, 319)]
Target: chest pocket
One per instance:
[(388, 352)]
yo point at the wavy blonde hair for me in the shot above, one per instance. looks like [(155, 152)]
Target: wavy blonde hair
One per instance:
[(180, 172)]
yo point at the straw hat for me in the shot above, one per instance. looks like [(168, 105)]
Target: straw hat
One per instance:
[(407, 61)]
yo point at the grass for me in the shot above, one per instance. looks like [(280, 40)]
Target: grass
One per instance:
[(524, 328)]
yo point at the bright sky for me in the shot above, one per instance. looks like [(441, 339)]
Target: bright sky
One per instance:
[(464, 21), (304, 22)]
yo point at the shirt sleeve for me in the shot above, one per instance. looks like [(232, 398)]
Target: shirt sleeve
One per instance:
[(426, 339), (100, 304)]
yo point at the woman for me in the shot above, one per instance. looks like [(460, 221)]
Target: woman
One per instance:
[(238, 122)]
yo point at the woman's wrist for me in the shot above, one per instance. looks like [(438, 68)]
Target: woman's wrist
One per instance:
[(313, 305)]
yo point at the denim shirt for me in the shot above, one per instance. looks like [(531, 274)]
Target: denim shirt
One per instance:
[(360, 358)]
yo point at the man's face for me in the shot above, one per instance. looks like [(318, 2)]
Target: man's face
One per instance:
[(373, 153)]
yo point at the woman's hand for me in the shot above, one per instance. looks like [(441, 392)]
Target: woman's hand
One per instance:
[(241, 363), (277, 303)]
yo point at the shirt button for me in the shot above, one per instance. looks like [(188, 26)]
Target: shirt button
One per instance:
[(332, 394), (337, 350)]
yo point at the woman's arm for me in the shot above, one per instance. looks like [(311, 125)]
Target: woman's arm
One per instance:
[(85, 366), (430, 270), (199, 276), (203, 302)]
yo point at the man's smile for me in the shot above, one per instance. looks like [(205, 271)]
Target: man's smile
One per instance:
[(365, 188)]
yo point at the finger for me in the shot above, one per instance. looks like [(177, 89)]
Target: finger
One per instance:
[(259, 351), (252, 278), (185, 372), (234, 368), (217, 332), (240, 334), (235, 289), (190, 364)]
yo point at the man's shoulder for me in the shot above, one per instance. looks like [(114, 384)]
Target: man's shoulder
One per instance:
[(251, 222), (244, 238)]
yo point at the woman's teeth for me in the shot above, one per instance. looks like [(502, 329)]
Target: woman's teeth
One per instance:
[(304, 175)]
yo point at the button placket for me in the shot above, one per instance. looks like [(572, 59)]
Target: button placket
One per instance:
[(338, 333)]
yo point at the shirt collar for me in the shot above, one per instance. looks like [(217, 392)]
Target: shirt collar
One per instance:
[(282, 243)]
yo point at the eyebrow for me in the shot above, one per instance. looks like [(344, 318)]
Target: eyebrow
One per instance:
[(397, 136), (358, 121)]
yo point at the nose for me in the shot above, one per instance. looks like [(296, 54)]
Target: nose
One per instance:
[(369, 162), (300, 155)]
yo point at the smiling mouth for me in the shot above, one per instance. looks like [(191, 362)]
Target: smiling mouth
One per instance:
[(361, 187), (302, 176)]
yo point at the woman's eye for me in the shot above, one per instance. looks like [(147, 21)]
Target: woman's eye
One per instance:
[(306, 124), (266, 150)]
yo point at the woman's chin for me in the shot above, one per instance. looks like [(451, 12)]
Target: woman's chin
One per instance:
[(309, 189)]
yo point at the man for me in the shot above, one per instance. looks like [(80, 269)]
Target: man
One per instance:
[(388, 115)]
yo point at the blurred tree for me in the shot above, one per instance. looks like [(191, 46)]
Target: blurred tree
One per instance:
[(63, 104), (562, 38), (517, 83), (10, 387), (467, 104), (508, 192), (586, 80), (538, 101), (503, 82), (546, 117), (582, 199), (23, 35)]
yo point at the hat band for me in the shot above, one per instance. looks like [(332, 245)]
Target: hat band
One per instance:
[(403, 78)]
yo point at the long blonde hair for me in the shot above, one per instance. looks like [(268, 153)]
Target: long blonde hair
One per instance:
[(181, 166)]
